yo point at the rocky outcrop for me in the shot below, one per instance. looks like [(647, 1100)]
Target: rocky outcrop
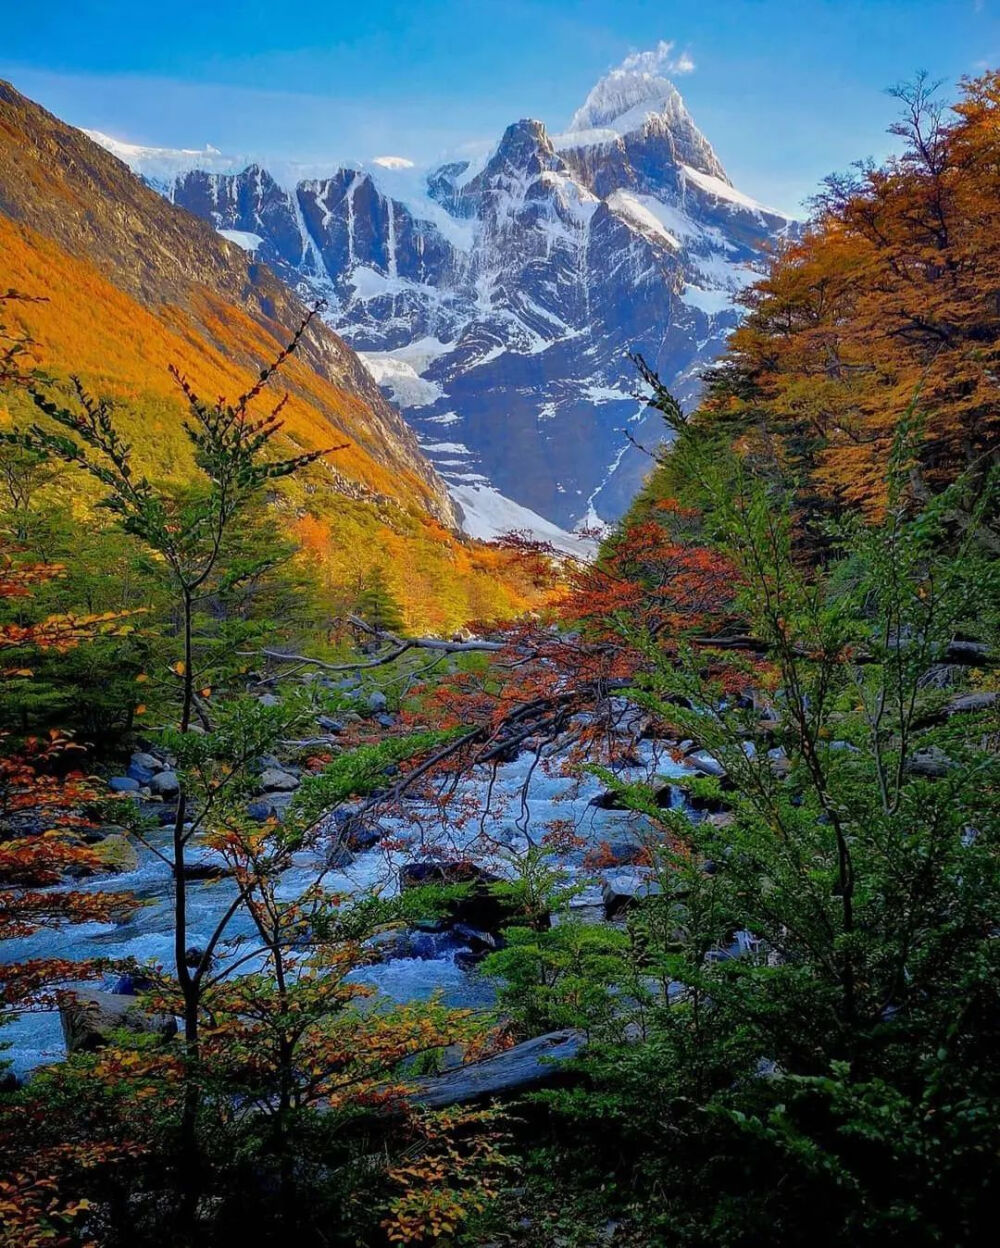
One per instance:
[(89, 1019)]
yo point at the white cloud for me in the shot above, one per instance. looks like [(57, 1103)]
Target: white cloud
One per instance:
[(659, 60), (393, 162)]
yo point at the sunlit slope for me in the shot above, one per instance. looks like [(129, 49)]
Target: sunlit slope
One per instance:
[(131, 285), (349, 512)]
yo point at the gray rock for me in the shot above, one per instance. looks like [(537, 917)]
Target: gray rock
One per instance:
[(274, 781), (123, 784), (281, 803), (627, 889), (929, 764), (165, 784), (261, 811), (377, 701), (333, 726), (148, 762), (338, 856), (89, 1018), (706, 763), (268, 699)]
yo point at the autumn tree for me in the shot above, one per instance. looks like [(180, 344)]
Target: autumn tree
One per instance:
[(886, 300)]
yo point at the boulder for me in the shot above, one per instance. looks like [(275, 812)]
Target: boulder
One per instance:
[(132, 983), (929, 764), (333, 726), (281, 803), (969, 703), (273, 780), (89, 1018), (350, 828), (193, 956), (608, 800), (479, 945), (480, 908), (261, 810), (627, 889), (534, 1064), (338, 856), (195, 871), (116, 854), (377, 702), (123, 784), (165, 784), (143, 758), (706, 763)]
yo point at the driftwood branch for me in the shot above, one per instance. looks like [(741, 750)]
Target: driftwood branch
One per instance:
[(400, 647)]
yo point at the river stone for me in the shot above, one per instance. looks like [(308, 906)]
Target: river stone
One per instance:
[(116, 854), (205, 871), (148, 762), (261, 810), (338, 856), (480, 908), (89, 1018), (123, 784), (706, 763), (626, 889), (165, 784), (273, 780)]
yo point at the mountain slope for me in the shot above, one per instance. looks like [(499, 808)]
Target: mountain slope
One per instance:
[(497, 304), (58, 181), (133, 284)]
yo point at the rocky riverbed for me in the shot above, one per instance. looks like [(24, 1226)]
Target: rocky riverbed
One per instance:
[(502, 815)]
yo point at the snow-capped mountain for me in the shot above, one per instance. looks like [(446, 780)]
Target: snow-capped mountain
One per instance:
[(496, 301)]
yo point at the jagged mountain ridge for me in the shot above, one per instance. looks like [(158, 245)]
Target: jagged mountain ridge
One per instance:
[(497, 303)]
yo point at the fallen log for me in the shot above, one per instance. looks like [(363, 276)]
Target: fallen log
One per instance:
[(526, 1067)]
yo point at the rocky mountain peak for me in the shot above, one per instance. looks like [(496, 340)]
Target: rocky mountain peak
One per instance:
[(637, 99), (496, 302), (524, 152)]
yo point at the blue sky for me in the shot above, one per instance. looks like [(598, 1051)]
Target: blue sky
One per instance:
[(786, 90)]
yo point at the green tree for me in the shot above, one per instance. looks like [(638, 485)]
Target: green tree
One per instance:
[(187, 531), (810, 987), (376, 604)]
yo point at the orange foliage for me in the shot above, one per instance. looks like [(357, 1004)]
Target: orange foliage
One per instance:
[(889, 298), (87, 326)]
